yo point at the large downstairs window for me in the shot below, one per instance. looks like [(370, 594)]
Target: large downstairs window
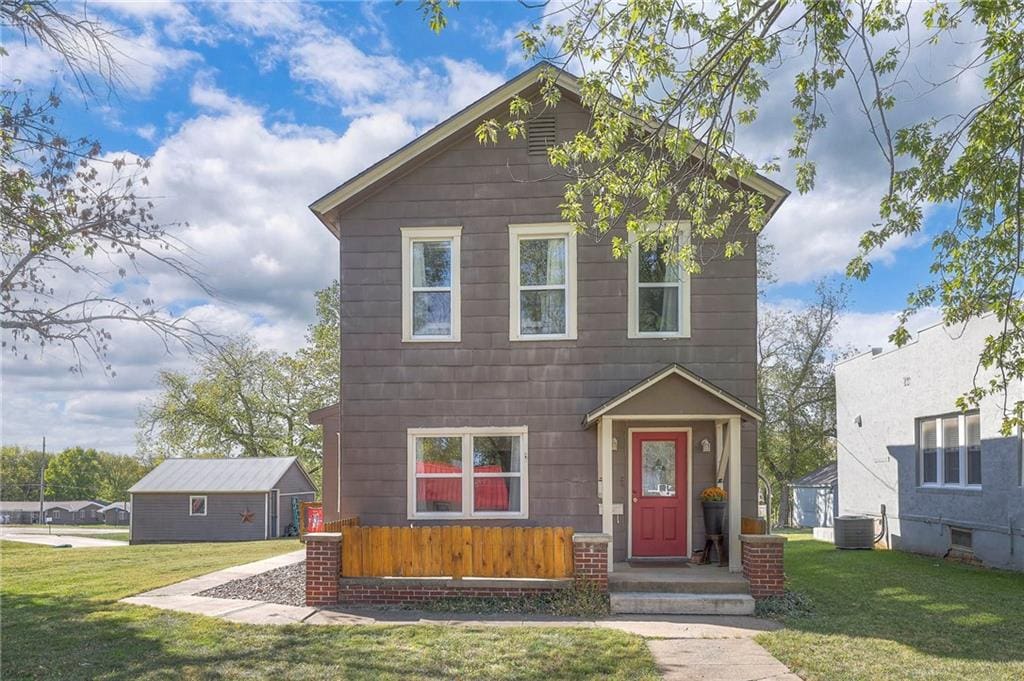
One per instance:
[(949, 450), (659, 287), (467, 473), (431, 297), (542, 282)]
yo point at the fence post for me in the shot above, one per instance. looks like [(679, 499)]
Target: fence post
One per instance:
[(323, 567), (590, 558)]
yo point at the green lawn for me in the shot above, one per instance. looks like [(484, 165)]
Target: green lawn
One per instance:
[(891, 615), (61, 621)]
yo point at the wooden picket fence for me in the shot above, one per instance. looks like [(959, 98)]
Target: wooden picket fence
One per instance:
[(337, 525), (457, 551)]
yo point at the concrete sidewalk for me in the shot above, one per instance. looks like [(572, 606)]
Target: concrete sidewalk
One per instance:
[(685, 647)]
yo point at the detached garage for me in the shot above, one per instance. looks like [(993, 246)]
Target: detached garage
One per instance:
[(189, 500), (815, 498)]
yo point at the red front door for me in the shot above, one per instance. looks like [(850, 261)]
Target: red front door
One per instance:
[(659, 494)]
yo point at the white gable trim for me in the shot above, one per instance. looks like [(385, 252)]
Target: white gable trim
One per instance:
[(673, 370)]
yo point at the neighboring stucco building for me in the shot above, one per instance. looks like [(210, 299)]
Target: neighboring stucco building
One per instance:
[(814, 497), (217, 499), (501, 369), (949, 480)]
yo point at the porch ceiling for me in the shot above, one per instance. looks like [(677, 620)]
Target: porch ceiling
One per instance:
[(674, 390)]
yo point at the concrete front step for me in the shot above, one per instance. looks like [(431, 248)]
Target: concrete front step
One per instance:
[(633, 584), (653, 603), (689, 580)]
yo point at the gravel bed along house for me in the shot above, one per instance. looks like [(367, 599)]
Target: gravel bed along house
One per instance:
[(286, 585)]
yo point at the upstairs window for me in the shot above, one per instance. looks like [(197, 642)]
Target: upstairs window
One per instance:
[(949, 450), (542, 271), (659, 305), (431, 297)]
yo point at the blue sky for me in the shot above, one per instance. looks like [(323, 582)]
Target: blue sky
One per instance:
[(249, 111)]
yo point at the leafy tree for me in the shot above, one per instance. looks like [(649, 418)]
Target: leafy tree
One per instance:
[(243, 401), (75, 220), (671, 84), (19, 473), (118, 472), (75, 473), (796, 390)]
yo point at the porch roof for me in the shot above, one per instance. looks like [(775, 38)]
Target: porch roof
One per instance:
[(703, 384)]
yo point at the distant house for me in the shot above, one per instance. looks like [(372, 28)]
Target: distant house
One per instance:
[(815, 497), (83, 512), (117, 513), (949, 480), (217, 499)]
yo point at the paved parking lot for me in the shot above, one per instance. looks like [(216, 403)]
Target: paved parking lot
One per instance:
[(76, 538)]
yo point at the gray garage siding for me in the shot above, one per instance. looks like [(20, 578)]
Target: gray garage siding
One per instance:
[(486, 379), (165, 518)]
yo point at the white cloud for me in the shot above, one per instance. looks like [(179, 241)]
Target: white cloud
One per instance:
[(861, 331), (144, 61), (817, 234), (366, 84), (242, 184)]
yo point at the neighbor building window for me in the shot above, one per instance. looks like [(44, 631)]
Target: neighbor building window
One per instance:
[(431, 297), (950, 450), (659, 305), (542, 273), (467, 473), (197, 505)]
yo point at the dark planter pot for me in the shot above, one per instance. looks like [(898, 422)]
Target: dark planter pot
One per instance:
[(714, 517)]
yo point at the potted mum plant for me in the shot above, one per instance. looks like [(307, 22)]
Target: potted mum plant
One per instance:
[(712, 499)]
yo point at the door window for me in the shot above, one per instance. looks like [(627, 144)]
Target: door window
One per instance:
[(658, 466)]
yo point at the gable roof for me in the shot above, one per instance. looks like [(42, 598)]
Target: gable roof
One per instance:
[(445, 130), (117, 506), (243, 474), (826, 476), (683, 372)]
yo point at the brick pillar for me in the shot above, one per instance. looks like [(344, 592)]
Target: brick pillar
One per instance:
[(590, 558), (323, 567), (762, 563)]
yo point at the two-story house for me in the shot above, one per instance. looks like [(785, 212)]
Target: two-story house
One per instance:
[(499, 368)]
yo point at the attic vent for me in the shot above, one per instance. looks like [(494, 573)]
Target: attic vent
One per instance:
[(540, 134)]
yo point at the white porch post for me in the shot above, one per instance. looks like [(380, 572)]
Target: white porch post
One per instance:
[(735, 507), (604, 452)]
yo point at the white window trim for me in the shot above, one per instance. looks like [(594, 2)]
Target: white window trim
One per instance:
[(633, 306), (467, 475), (411, 235), (940, 447), (540, 231), (205, 504)]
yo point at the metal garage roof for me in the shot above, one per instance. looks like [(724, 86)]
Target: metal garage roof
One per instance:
[(247, 474)]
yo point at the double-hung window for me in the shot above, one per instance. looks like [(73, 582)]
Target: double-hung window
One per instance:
[(467, 473), (659, 287), (949, 450), (542, 273), (431, 296)]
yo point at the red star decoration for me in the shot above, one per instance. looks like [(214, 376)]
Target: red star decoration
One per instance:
[(247, 516)]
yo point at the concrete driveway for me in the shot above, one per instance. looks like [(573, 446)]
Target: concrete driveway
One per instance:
[(71, 538)]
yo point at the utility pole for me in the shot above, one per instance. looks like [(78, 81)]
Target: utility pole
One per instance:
[(42, 482)]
